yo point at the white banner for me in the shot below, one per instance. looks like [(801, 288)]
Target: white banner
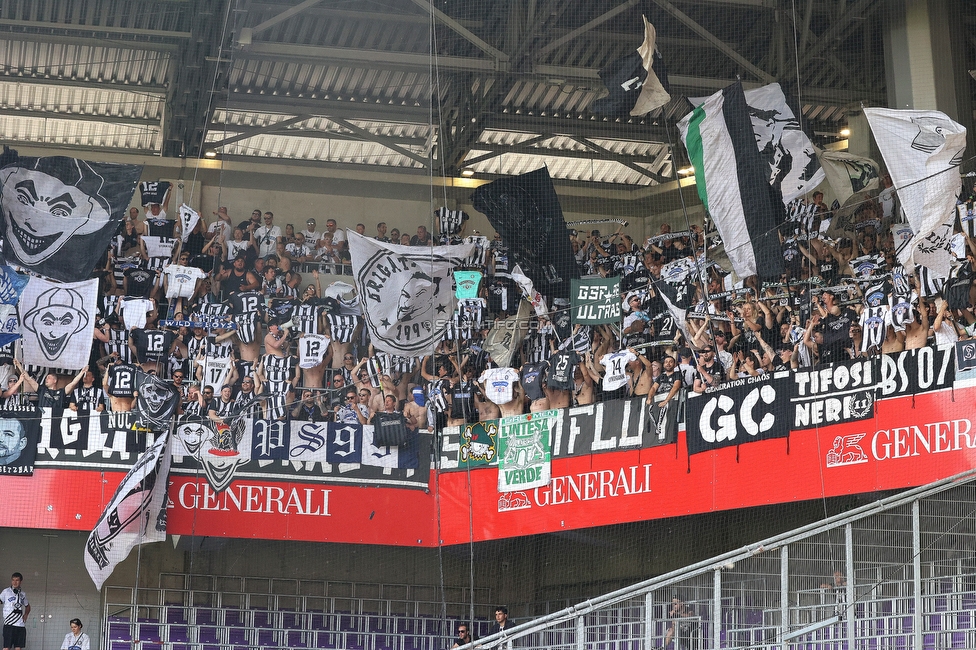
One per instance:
[(135, 515), (923, 151), (57, 322), (406, 292), (848, 174)]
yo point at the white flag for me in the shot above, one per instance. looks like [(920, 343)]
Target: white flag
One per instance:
[(57, 322), (135, 515), (406, 292), (923, 151), (188, 221), (848, 174)]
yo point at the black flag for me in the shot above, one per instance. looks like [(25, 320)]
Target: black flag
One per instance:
[(156, 402), (525, 211), (59, 214), (638, 82), (154, 192)]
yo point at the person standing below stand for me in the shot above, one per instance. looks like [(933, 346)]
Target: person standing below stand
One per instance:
[(502, 622), (76, 639), (681, 631), (16, 609), (463, 636)]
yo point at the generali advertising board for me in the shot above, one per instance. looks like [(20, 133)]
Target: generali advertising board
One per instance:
[(610, 464)]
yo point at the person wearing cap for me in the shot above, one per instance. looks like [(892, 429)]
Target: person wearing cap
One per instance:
[(686, 367), (312, 236)]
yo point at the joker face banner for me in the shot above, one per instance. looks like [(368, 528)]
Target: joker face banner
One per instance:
[(59, 214), (57, 322)]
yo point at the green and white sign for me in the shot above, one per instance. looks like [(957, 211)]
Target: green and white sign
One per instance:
[(524, 450), (596, 301)]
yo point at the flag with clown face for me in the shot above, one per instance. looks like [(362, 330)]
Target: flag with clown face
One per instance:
[(58, 214)]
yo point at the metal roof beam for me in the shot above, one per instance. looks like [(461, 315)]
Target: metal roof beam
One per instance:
[(626, 161), (592, 152), (360, 110), (860, 9), (217, 127), (134, 44), (88, 84), (599, 20), (93, 29), (248, 32), (369, 16), (714, 40), (80, 117), (611, 129), (379, 139), (390, 60), (463, 31), (253, 131), (494, 153)]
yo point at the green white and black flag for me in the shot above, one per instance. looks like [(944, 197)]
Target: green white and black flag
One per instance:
[(596, 301), (733, 184)]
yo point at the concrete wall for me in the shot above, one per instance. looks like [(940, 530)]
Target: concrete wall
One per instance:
[(529, 574)]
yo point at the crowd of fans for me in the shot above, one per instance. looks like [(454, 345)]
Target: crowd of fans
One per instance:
[(238, 319)]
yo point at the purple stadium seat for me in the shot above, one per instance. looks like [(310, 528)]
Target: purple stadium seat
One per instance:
[(206, 616), (179, 634), (121, 645), (239, 636), (958, 640), (209, 634), (321, 622), (175, 615), (235, 617), (268, 638), (149, 632), (297, 639), (325, 640), (292, 621), (264, 619), (120, 631)]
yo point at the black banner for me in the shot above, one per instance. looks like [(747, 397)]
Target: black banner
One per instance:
[(741, 411), (271, 450), (18, 442), (966, 354), (525, 211), (59, 214), (915, 371), (838, 392)]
